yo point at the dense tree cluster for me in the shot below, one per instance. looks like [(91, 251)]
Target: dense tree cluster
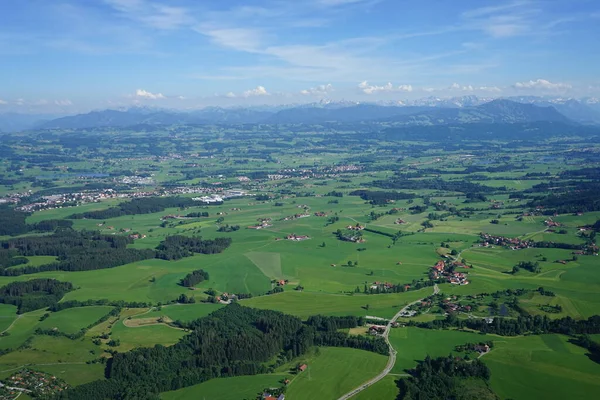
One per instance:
[(90, 250), (524, 324), (463, 186), (177, 246), (583, 200), (147, 205), (325, 323), (203, 214), (232, 341), (377, 197), (228, 228), (446, 378), (63, 305), (34, 294), (13, 222), (75, 251), (194, 278)]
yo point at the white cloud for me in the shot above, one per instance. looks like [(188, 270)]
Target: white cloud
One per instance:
[(3, 102), (141, 93), (542, 84), (258, 91), (319, 90), (387, 88), (65, 102), (152, 14), (468, 88), (242, 39), (493, 89), (231, 95)]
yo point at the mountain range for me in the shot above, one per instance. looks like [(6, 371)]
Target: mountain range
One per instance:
[(428, 111)]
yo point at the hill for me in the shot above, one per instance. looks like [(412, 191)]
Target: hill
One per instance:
[(443, 113)]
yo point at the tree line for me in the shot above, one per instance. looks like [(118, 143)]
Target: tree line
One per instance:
[(524, 324), (146, 205), (13, 223), (91, 250), (34, 294)]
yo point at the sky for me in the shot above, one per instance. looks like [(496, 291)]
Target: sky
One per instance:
[(66, 56)]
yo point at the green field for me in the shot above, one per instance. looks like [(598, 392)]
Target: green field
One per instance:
[(182, 312), (236, 388), (303, 304), (72, 320), (524, 367), (144, 336), (414, 344), (334, 371), (421, 201)]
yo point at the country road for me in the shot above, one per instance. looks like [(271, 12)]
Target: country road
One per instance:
[(393, 352)]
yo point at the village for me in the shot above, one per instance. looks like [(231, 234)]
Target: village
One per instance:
[(488, 240), (31, 382), (446, 270)]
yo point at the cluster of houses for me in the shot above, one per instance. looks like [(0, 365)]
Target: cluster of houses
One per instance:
[(95, 196), (38, 383), (262, 223), (488, 240), (449, 306), (320, 214), (400, 221), (269, 396), (211, 199), (226, 298), (440, 270), (297, 238), (377, 329), (551, 224), (137, 180), (357, 227), (296, 216)]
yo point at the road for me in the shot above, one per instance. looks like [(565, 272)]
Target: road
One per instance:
[(393, 352)]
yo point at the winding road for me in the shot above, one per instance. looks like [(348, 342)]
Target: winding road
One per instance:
[(393, 352)]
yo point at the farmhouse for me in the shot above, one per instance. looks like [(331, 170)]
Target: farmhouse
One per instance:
[(356, 227), (297, 238), (302, 367)]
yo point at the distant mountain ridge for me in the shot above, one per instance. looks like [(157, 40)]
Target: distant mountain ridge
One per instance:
[(426, 111)]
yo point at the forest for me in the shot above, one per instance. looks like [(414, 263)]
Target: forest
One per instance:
[(34, 294), (232, 341), (145, 205), (90, 250), (177, 246), (13, 223), (440, 379)]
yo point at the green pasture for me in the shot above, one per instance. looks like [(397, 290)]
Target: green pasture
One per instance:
[(8, 313), (304, 304), (182, 312), (333, 372), (385, 389), (524, 367), (235, 388), (144, 336), (414, 344), (74, 374), (72, 320)]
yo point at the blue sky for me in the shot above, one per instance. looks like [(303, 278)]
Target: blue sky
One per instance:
[(76, 55)]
